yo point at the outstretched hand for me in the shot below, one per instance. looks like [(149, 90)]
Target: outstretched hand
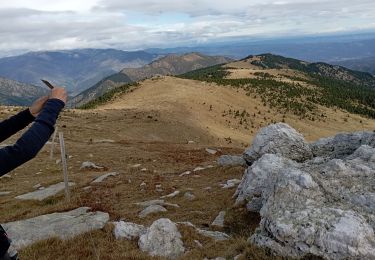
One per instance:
[(59, 93), (37, 106)]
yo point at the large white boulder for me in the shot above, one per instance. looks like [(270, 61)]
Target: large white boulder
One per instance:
[(162, 239), (278, 139), (323, 206)]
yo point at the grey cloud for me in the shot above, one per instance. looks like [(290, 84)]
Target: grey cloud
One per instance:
[(107, 24)]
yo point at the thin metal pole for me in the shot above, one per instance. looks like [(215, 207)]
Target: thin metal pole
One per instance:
[(65, 167), (53, 144)]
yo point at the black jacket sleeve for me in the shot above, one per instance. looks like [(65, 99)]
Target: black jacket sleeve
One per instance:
[(14, 124), (33, 140)]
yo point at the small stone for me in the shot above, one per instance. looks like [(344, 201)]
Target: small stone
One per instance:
[(151, 210), (231, 184), (189, 196), (91, 166), (199, 244), (144, 170), (37, 186), (105, 176), (136, 165), (172, 195), (88, 188), (185, 173), (198, 169), (219, 220), (150, 202), (211, 151), (143, 184), (4, 193)]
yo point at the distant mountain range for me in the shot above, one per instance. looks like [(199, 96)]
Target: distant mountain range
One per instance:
[(313, 49), (19, 94), (77, 70), (168, 65), (364, 64)]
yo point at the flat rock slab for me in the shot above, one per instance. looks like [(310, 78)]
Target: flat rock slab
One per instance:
[(4, 193), (151, 210), (63, 225), (45, 193), (105, 176)]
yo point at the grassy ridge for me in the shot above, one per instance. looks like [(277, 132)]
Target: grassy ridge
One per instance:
[(108, 96), (295, 98)]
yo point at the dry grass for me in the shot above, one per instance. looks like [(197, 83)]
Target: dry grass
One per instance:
[(151, 126)]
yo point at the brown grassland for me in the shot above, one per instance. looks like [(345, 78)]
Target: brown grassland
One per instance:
[(152, 126)]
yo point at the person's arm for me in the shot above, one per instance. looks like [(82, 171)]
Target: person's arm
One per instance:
[(32, 141), (18, 122), (15, 123)]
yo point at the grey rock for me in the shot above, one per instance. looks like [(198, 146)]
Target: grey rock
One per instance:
[(219, 220), (37, 186), (172, 195), (189, 196), (211, 151), (150, 202), (198, 243), (231, 184), (4, 193), (151, 210), (185, 173), (231, 160), (44, 193), (91, 166), (105, 176), (215, 235), (279, 139), (128, 230), (162, 239), (199, 168), (342, 144), (63, 225), (323, 207)]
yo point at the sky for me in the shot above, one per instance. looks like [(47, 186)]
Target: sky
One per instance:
[(33, 25)]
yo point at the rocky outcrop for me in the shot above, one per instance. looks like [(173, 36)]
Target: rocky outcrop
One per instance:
[(278, 139), (323, 206), (342, 144), (162, 239), (63, 225)]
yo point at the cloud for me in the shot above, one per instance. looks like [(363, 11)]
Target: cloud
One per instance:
[(125, 24)]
